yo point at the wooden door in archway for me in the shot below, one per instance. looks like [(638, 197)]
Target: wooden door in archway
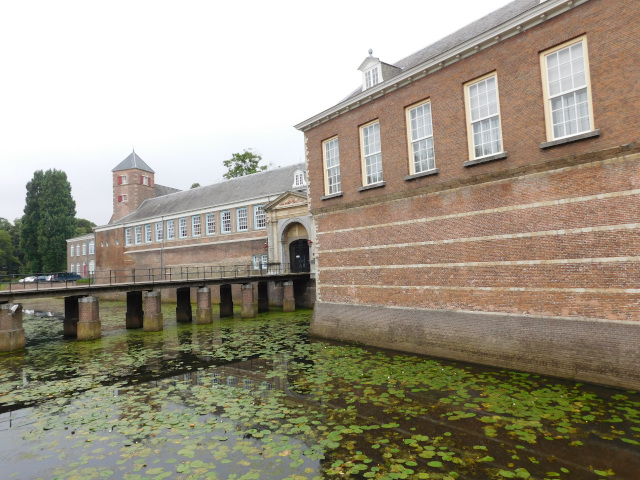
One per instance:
[(299, 256)]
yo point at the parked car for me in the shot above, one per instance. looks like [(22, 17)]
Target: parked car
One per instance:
[(30, 279), (65, 277)]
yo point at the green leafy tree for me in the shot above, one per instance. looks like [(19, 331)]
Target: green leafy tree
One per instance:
[(195, 185), (83, 227), (244, 163), (49, 219), (7, 258)]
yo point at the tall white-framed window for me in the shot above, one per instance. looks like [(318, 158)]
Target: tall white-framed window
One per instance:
[(92, 267), (331, 157), (420, 134), (148, 236), (371, 153), (371, 77), (196, 228), (259, 217), (256, 262), (211, 223), (171, 230), (242, 219), (567, 89), (145, 180), (127, 236), (159, 232), (72, 250), (122, 180), (92, 247), (72, 268), (265, 260), (225, 221), (183, 227), (138, 234), (84, 248), (483, 116), (78, 271)]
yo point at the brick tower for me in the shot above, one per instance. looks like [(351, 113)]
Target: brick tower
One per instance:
[(133, 183)]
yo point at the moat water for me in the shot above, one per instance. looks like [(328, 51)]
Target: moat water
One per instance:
[(257, 399)]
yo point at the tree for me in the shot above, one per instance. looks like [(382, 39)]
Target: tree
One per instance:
[(7, 257), (83, 226), (244, 163), (195, 185), (49, 219)]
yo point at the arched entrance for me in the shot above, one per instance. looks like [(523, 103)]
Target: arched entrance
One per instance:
[(299, 256), (295, 247)]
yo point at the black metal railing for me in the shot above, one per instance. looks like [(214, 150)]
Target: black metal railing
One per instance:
[(99, 277)]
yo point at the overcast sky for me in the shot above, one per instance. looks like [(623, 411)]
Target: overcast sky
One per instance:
[(186, 83)]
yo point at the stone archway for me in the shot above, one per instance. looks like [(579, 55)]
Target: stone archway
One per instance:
[(295, 247)]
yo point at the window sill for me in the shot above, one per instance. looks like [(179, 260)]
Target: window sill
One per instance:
[(333, 195), (490, 158), (573, 138), (421, 174), (372, 186)]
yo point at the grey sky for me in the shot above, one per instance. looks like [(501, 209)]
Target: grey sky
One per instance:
[(185, 83)]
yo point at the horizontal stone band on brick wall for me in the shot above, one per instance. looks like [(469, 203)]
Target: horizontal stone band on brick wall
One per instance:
[(576, 348), (587, 198), (519, 235), (495, 289)]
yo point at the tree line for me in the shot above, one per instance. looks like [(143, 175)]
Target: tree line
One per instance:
[(37, 241)]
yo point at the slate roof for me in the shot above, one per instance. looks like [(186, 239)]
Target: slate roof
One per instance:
[(161, 190), (492, 20), (269, 183), (133, 161)]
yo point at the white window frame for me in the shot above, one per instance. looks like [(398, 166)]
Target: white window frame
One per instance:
[(259, 217), (92, 267), (182, 228), (420, 137), (256, 262), (371, 154), (148, 236), (372, 76), (298, 179), (265, 261), (124, 179), (171, 230), (84, 248), (127, 236), (78, 269), (196, 226), (146, 180), (225, 221), (73, 268), (72, 251), (159, 232), (123, 197), (566, 92), (331, 162), (482, 119), (242, 219), (138, 234), (92, 247), (211, 223)]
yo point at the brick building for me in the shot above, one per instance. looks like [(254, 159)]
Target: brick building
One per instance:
[(479, 199), (227, 223), (81, 254)]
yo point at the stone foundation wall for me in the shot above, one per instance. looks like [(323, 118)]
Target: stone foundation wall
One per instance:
[(596, 351)]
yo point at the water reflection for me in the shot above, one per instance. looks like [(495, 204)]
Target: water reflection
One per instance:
[(258, 399)]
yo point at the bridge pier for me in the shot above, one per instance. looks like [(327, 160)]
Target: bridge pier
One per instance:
[(248, 309), (152, 319), (289, 302), (203, 311), (226, 301), (135, 313), (263, 297), (71, 316), (89, 325), (11, 331), (183, 309)]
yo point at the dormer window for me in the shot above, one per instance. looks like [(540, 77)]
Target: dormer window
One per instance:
[(298, 179), (371, 77)]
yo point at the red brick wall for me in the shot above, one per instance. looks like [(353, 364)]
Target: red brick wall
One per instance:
[(545, 232), (136, 193)]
